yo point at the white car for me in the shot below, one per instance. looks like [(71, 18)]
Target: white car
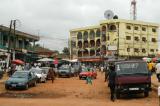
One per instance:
[(40, 74)]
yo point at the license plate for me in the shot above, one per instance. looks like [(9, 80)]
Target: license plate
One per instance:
[(13, 85), (133, 89)]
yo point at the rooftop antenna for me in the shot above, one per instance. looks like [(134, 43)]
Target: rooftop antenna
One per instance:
[(133, 10)]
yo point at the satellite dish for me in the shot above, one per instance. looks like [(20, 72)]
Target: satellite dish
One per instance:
[(108, 14)]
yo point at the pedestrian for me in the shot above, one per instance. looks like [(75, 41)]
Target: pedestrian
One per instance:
[(158, 71), (106, 70), (89, 77), (102, 69), (51, 74), (111, 84), (150, 66)]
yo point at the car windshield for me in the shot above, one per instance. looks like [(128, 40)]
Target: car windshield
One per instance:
[(63, 68), (36, 71), (131, 68), (84, 70), (20, 75)]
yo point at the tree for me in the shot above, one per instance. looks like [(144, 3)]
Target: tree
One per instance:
[(66, 51)]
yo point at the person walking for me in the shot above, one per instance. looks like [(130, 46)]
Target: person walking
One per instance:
[(158, 71), (150, 66), (111, 79), (51, 74), (89, 77), (102, 69)]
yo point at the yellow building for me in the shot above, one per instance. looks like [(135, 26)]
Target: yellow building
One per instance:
[(115, 37)]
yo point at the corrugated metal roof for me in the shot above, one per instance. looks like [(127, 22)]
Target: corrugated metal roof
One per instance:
[(20, 33)]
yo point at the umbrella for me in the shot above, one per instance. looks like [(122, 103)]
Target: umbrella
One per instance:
[(147, 59), (17, 61), (154, 59), (45, 60)]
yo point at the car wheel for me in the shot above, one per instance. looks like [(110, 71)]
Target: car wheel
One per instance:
[(146, 93), (27, 86), (7, 87), (44, 81)]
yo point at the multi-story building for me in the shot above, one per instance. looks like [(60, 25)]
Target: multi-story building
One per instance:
[(115, 37), (16, 45)]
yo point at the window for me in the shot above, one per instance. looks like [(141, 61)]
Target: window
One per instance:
[(136, 50), (143, 50), (151, 50), (112, 27), (128, 49), (144, 39), (108, 38), (143, 29), (153, 30), (128, 37), (128, 27), (135, 28), (136, 38), (73, 43), (153, 40)]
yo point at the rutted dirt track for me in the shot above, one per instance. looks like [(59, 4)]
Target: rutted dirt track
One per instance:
[(71, 92)]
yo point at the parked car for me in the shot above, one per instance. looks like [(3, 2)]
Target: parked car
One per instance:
[(21, 79), (40, 73), (64, 72), (133, 77), (73, 72), (84, 73), (1, 73)]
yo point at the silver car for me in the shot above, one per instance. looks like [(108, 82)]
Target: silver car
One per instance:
[(40, 73)]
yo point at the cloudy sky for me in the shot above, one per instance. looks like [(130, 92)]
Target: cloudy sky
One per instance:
[(52, 19)]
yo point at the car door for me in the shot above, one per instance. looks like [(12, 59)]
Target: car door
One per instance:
[(31, 78)]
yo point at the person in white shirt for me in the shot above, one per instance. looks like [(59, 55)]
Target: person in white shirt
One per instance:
[(158, 71)]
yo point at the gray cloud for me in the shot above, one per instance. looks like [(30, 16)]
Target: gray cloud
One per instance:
[(54, 18)]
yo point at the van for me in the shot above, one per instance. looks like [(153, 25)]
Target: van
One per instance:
[(132, 77)]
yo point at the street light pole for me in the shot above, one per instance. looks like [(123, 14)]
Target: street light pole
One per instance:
[(118, 43)]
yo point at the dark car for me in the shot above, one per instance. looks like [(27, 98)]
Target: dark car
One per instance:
[(1, 73), (132, 77), (64, 72), (21, 79)]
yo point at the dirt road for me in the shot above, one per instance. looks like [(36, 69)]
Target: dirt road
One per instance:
[(71, 92)]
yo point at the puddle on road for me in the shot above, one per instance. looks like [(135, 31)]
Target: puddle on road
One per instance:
[(17, 95), (30, 95)]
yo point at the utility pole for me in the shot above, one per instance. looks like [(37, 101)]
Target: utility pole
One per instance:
[(9, 33), (14, 32)]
